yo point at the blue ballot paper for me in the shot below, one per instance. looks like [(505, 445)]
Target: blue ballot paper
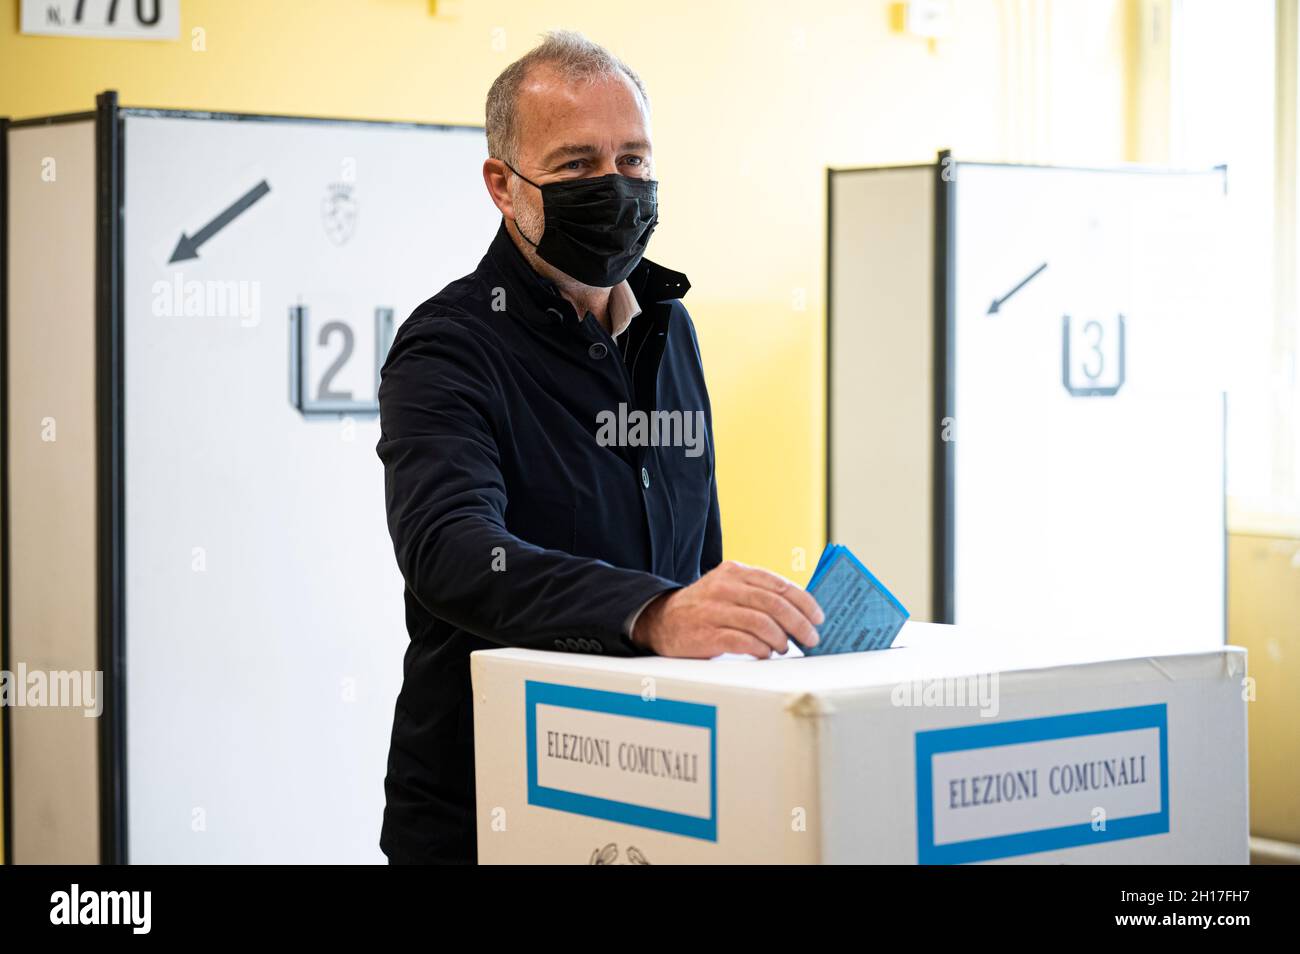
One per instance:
[(860, 613)]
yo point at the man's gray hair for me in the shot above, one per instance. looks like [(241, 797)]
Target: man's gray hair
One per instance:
[(574, 57)]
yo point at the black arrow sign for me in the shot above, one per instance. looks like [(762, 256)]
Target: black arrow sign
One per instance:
[(188, 246), (999, 302)]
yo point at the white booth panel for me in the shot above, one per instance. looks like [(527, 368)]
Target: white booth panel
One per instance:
[(1098, 514), (264, 610)]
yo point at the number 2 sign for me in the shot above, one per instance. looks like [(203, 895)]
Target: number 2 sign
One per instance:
[(1092, 355), (315, 386)]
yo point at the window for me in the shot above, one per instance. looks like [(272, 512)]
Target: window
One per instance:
[(1231, 98)]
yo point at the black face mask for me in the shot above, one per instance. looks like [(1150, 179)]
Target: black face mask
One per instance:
[(596, 229)]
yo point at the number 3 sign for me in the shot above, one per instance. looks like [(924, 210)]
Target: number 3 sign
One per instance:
[(1092, 355)]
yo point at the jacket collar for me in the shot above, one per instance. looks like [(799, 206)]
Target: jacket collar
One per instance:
[(649, 282)]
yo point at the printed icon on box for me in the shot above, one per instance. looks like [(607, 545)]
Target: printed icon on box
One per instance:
[(1092, 355), (609, 856), (339, 212)]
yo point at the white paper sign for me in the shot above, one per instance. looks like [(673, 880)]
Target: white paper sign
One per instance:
[(645, 762), (1036, 786), (113, 19), (1002, 789)]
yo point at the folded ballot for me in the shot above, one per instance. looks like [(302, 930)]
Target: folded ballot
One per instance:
[(860, 613)]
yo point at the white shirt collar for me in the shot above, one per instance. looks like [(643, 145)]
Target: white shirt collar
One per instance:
[(623, 307)]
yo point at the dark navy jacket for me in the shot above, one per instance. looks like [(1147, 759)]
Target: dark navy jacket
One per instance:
[(512, 523)]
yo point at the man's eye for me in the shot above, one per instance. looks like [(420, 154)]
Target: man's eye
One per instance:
[(573, 164), (634, 160)]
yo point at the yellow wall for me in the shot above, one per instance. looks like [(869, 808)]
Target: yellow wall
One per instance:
[(1264, 616), (752, 100)]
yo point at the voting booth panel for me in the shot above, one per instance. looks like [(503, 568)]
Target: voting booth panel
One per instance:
[(880, 348), (256, 614), (955, 746), (273, 669), (51, 776), (1026, 356), (1112, 450)]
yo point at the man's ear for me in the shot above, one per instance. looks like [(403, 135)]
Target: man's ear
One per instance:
[(496, 176)]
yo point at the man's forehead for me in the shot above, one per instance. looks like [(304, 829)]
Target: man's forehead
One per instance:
[(577, 116)]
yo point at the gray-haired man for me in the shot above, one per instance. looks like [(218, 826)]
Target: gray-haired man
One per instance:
[(515, 520)]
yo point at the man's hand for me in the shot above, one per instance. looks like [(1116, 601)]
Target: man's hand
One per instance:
[(731, 609)]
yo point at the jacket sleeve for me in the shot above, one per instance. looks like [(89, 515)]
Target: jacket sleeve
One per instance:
[(711, 553), (446, 503)]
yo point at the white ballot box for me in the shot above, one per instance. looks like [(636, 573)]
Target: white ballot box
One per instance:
[(952, 746)]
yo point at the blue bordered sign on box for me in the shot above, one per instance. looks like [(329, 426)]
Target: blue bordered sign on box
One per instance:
[(604, 764), (1042, 772)]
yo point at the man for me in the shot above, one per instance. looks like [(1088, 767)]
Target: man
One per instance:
[(519, 515)]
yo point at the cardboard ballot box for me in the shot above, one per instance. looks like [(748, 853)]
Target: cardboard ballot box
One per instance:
[(953, 746)]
